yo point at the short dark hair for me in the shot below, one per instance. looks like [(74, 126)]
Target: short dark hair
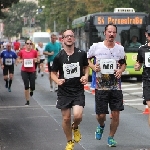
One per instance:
[(52, 35), (28, 40), (111, 24), (65, 31)]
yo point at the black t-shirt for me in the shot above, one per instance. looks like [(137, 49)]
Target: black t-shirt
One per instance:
[(71, 68), (141, 59)]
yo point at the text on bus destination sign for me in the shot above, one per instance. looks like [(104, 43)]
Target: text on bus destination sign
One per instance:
[(119, 19)]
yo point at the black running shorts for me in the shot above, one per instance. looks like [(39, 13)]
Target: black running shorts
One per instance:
[(42, 60), (68, 101), (112, 97), (146, 90), (8, 69)]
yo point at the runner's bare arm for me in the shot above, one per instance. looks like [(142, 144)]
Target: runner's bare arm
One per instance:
[(95, 67), (54, 76), (84, 79), (137, 66), (48, 53), (20, 60)]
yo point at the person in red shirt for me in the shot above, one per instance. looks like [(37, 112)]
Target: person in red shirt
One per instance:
[(28, 58), (17, 46)]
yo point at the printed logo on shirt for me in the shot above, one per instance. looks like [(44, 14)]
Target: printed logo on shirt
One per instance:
[(71, 70)]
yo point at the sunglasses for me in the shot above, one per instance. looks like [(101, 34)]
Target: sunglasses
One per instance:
[(29, 43)]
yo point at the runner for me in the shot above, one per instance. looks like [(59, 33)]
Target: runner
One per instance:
[(42, 58), (52, 49), (108, 91), (143, 59), (70, 62), (7, 64), (28, 57), (16, 46)]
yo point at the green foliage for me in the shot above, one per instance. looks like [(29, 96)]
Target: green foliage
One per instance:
[(15, 17), (138, 5), (6, 4)]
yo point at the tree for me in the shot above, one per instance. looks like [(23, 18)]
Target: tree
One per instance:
[(15, 17), (6, 4), (139, 6)]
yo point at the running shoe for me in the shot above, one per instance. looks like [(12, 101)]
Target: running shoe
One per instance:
[(111, 142), (99, 132), (6, 85), (144, 102), (27, 103), (9, 89), (76, 134), (31, 93), (70, 145)]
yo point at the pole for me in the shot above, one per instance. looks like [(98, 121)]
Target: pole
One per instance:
[(29, 27), (54, 26), (67, 22)]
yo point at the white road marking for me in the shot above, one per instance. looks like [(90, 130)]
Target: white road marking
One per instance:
[(127, 85), (132, 100), (136, 93), (131, 89), (133, 104)]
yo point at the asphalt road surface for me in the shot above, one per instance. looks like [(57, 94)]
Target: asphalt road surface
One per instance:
[(38, 126)]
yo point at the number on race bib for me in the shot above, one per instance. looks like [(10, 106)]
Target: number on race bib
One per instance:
[(147, 59), (107, 66), (8, 61), (71, 70), (28, 62)]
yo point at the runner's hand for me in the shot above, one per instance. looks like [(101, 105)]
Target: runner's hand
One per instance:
[(2, 66), (137, 66), (118, 73), (60, 81), (84, 80), (97, 68)]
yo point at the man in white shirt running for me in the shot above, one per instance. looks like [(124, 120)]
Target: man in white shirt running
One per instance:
[(108, 55), (42, 58)]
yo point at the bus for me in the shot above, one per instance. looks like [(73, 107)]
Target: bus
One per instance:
[(90, 29)]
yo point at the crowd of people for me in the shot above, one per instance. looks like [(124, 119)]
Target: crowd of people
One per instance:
[(68, 69)]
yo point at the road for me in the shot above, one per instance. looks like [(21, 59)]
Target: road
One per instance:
[(38, 127)]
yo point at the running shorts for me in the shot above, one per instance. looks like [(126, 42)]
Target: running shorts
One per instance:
[(42, 60), (146, 90), (8, 69), (112, 97), (68, 101)]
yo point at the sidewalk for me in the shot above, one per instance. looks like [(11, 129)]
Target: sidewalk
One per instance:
[(26, 127)]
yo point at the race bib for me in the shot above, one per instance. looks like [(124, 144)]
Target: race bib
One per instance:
[(51, 63), (71, 70), (107, 66), (8, 61), (28, 62), (147, 59)]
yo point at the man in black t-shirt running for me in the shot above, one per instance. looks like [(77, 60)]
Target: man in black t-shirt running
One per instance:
[(72, 65), (143, 59)]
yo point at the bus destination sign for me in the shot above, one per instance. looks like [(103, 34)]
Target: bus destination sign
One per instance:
[(118, 20)]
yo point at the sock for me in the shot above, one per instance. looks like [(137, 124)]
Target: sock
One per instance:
[(6, 80), (10, 82)]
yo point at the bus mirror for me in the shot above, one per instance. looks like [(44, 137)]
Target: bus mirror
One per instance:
[(86, 26)]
